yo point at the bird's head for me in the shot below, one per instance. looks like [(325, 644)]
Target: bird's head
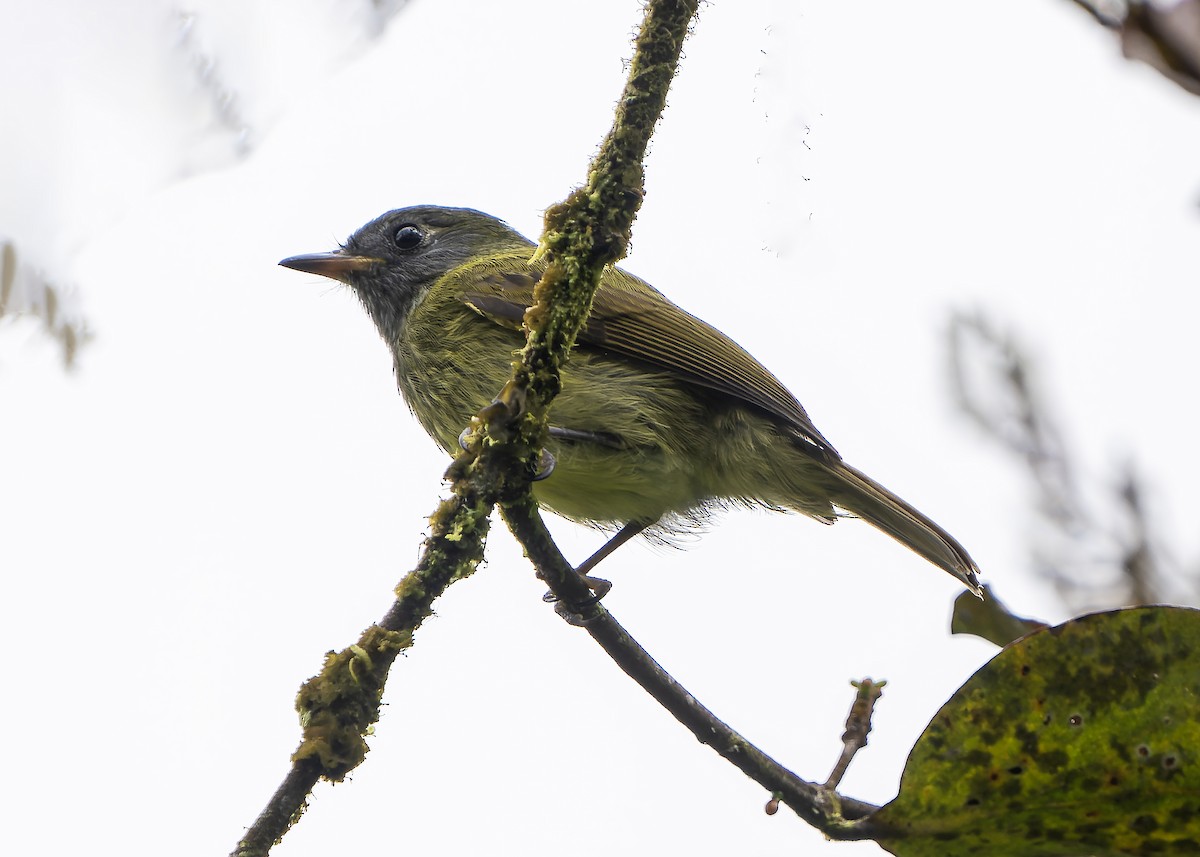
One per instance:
[(394, 260)]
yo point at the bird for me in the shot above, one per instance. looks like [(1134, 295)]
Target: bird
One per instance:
[(661, 420)]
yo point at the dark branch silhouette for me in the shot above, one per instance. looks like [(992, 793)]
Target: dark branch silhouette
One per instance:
[(819, 805), (1092, 560), (1167, 38)]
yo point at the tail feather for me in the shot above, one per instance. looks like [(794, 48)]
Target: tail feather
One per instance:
[(879, 507)]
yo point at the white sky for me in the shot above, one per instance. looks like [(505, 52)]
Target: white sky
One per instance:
[(229, 485)]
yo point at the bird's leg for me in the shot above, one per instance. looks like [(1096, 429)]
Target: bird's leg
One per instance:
[(547, 462), (623, 535), (598, 585), (576, 435)]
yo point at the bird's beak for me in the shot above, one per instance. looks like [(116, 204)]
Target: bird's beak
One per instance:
[(338, 265)]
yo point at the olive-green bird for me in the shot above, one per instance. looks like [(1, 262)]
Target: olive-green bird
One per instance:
[(661, 417)]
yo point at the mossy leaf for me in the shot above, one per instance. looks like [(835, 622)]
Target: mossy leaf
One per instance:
[(1082, 739)]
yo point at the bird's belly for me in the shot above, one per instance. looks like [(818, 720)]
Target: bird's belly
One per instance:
[(647, 462), (599, 484)]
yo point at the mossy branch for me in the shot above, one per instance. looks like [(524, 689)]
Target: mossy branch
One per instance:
[(583, 234)]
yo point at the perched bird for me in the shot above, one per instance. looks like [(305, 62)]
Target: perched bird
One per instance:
[(661, 417)]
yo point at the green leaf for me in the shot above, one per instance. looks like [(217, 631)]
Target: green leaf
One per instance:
[(989, 618), (1082, 739)]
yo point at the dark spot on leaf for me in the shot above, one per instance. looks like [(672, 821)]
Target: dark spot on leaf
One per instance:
[(977, 758), (1185, 813), (1144, 824), (1053, 760), (1021, 762)]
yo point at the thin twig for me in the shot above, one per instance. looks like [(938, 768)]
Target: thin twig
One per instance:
[(1099, 15), (1167, 38), (1164, 36), (282, 811), (994, 385), (821, 807), (858, 726), (1139, 562)]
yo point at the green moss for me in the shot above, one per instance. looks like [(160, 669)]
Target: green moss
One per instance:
[(338, 706)]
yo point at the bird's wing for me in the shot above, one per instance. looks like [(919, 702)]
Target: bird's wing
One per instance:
[(632, 319)]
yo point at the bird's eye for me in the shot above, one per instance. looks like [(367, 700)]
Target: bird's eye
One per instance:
[(409, 237)]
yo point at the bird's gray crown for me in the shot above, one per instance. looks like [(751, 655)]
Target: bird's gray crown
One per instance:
[(413, 248)]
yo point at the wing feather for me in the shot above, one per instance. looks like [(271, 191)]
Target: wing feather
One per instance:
[(633, 319)]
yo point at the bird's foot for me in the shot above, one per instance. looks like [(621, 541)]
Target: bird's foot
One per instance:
[(573, 612), (598, 585), (546, 461)]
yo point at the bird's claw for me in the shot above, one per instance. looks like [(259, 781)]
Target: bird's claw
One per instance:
[(572, 617), (599, 586), (546, 464), (546, 461)]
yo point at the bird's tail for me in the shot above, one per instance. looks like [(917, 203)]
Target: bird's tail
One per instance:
[(859, 494)]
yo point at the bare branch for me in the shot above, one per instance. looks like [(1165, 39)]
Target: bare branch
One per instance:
[(1140, 560), (1167, 38), (1102, 16), (1090, 562), (822, 807), (858, 726)]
